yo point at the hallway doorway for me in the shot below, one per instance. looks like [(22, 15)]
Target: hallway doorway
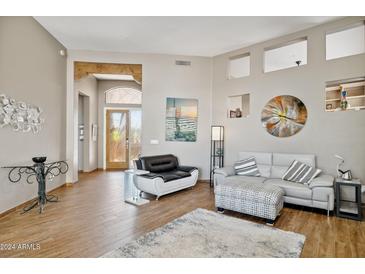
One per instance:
[(109, 132)]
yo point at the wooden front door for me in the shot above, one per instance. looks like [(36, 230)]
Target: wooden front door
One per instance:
[(117, 142)]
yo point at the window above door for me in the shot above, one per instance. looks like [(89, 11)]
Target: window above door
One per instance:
[(126, 96)]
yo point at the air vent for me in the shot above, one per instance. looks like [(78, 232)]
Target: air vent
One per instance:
[(182, 63)]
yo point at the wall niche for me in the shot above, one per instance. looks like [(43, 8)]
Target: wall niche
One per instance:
[(238, 106), (346, 94)]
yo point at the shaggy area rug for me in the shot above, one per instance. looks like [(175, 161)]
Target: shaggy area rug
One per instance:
[(206, 234)]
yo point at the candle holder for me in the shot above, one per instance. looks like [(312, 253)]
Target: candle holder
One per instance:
[(40, 171)]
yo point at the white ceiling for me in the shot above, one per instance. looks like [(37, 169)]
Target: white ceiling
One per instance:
[(200, 36)]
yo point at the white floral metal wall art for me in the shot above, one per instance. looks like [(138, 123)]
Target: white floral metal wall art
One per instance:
[(20, 116)]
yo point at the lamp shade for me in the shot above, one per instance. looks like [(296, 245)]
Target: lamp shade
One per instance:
[(217, 133)]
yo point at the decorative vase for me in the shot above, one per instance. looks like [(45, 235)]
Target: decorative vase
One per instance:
[(343, 103)]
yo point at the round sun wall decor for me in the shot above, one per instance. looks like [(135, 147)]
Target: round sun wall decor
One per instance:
[(284, 116)]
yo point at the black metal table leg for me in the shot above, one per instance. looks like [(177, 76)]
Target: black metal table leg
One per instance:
[(39, 172), (30, 207), (52, 198)]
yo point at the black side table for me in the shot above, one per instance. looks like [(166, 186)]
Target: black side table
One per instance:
[(346, 208)]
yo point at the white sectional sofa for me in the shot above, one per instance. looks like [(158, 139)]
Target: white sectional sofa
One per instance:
[(318, 194)]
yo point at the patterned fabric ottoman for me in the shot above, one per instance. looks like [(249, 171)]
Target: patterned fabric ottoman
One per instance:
[(257, 199)]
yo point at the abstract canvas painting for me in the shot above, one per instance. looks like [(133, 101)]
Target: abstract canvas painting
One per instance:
[(284, 116), (181, 119)]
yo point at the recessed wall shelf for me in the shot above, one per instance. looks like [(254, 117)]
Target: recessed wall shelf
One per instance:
[(345, 95), (238, 106)]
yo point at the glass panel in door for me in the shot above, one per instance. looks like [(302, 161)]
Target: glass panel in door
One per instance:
[(135, 134), (117, 147)]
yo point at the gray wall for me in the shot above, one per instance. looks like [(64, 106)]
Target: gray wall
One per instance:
[(88, 87), (325, 133), (31, 70), (161, 79)]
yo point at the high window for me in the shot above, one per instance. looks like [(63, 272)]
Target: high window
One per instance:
[(346, 42), (127, 96), (239, 66), (291, 54)]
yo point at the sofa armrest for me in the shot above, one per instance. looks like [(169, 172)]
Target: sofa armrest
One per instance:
[(322, 181), (225, 171), (187, 168)]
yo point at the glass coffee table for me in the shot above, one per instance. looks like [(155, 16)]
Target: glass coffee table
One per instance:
[(131, 192)]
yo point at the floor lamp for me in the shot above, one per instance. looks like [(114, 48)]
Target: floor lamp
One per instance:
[(216, 150)]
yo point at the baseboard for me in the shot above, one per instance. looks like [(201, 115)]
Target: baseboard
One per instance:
[(89, 171), (3, 214), (204, 181), (22, 205)]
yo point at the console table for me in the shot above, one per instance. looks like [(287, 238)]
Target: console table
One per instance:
[(346, 208), (40, 172)]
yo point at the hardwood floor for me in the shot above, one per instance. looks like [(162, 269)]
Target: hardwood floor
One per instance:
[(92, 219)]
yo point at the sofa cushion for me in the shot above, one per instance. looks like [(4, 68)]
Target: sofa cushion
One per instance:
[(168, 176), (278, 171), (323, 180), (291, 189), (247, 167), (165, 177), (241, 179), (187, 168), (285, 159), (181, 173), (225, 171), (159, 163), (265, 170), (323, 193)]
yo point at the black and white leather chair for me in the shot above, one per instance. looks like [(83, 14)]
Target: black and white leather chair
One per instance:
[(165, 175)]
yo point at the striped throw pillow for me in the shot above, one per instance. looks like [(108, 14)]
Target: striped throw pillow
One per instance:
[(301, 173), (247, 167)]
